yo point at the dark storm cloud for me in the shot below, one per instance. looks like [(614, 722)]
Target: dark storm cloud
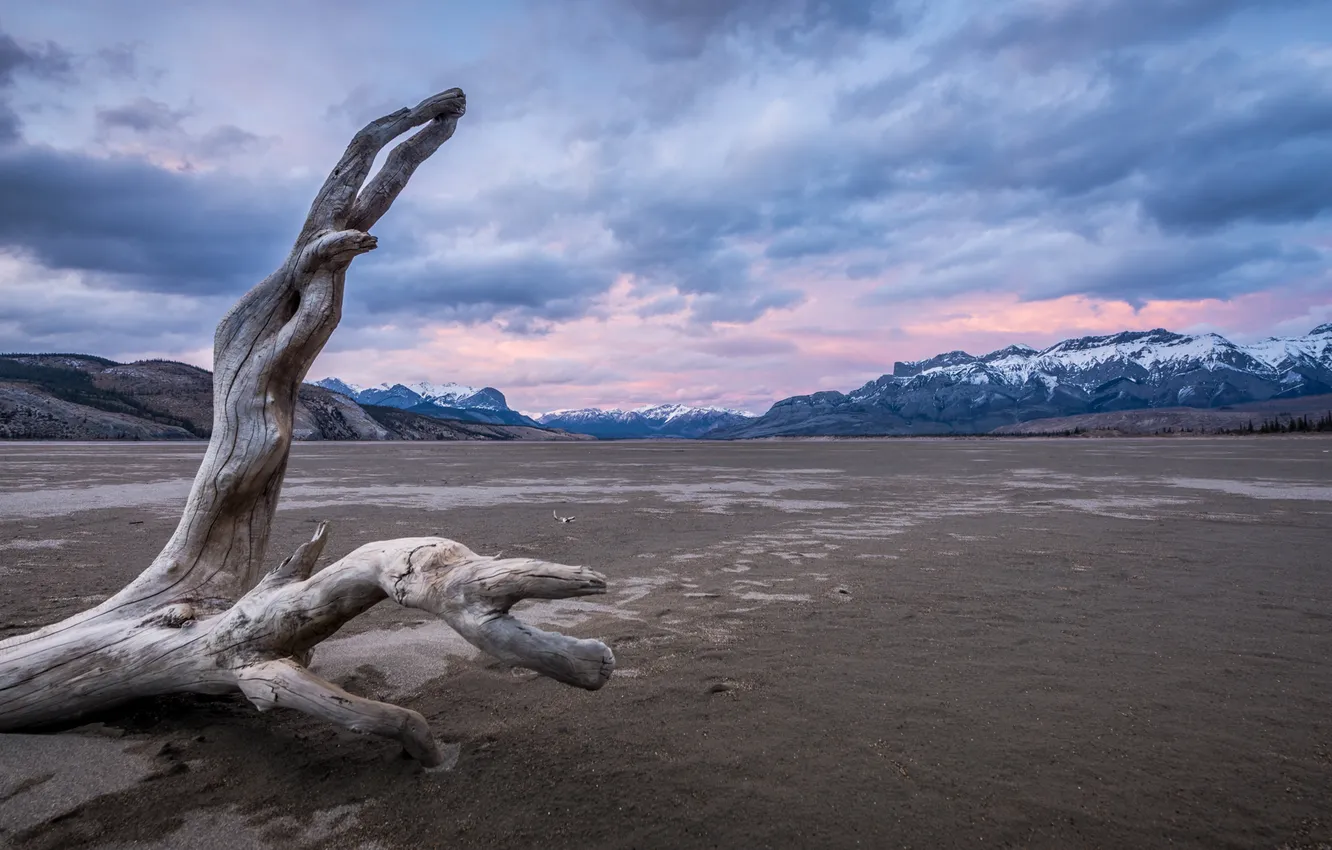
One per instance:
[(1181, 268), (52, 317), (142, 115), (227, 139), (138, 226), (743, 307), (1045, 33), (1198, 144), (1210, 269), (120, 60), (1153, 131), (1273, 188), (11, 127), (521, 289), (684, 28), (42, 60), (130, 224)]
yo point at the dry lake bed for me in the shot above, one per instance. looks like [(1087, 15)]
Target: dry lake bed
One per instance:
[(868, 643)]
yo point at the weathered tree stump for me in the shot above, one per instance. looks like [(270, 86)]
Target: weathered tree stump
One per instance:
[(207, 616)]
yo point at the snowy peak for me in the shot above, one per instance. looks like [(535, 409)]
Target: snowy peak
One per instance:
[(939, 361), (957, 393), (450, 390), (1145, 356), (421, 392), (442, 401), (338, 386), (460, 395), (662, 420), (1159, 336), (671, 412), (1008, 352)]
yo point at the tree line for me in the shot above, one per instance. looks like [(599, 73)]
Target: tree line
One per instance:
[(1291, 425)]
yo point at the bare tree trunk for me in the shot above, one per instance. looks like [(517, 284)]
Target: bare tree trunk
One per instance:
[(205, 616)]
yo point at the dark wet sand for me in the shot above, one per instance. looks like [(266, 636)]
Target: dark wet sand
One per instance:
[(903, 643)]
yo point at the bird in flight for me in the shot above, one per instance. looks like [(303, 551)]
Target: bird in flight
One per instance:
[(562, 518)]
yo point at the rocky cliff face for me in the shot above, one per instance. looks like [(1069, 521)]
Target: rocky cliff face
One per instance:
[(957, 392)]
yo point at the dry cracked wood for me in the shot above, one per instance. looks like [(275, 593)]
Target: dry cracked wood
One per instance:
[(205, 617)]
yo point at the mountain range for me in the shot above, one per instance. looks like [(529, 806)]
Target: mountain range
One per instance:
[(959, 393), (1121, 376), (440, 401), (81, 397), (664, 420), (487, 404)]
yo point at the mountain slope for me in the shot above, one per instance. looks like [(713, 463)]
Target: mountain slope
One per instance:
[(1175, 420), (957, 392), (79, 397), (406, 425), (441, 401), (667, 420)]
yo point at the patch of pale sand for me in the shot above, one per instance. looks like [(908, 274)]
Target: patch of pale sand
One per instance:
[(61, 501), (713, 496), (758, 596), (408, 657), (1217, 516), (449, 753), (1257, 488), (33, 544), (714, 632), (1039, 485), (1122, 507), (864, 527), (47, 776), (227, 829), (628, 590)]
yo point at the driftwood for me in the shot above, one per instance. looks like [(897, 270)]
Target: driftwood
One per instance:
[(207, 616)]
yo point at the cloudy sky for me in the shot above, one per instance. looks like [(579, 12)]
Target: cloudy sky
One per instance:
[(702, 201)]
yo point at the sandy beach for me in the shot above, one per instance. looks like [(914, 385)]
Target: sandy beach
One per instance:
[(860, 643)]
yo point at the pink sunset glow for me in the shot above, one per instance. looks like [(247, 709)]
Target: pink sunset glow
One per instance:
[(723, 204), (617, 359)]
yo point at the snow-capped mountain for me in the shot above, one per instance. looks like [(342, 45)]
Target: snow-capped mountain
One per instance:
[(442, 401), (957, 392), (665, 420)]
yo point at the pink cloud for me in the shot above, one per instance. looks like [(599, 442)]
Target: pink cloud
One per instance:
[(616, 357)]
